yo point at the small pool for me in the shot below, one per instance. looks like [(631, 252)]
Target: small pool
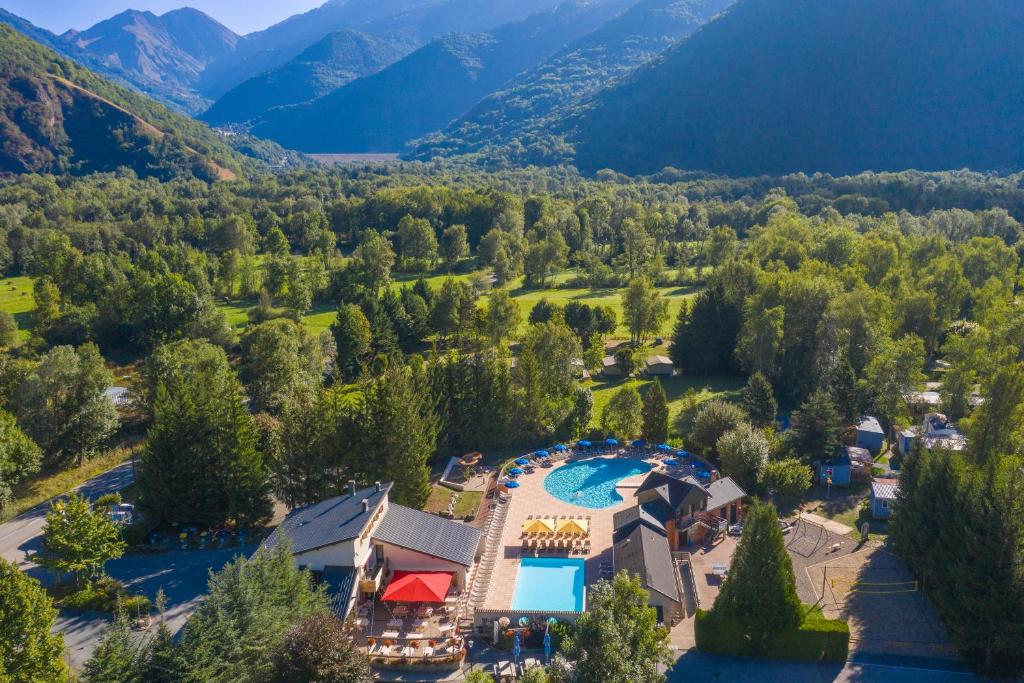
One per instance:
[(549, 584), (591, 483)]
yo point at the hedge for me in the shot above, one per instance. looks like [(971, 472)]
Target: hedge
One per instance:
[(817, 639)]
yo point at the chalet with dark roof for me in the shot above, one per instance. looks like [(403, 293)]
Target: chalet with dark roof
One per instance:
[(356, 542)]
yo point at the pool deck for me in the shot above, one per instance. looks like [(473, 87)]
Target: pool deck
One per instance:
[(531, 499)]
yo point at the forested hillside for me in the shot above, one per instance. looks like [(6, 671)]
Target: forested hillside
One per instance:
[(523, 122), (430, 87), (59, 117), (339, 58), (776, 86)]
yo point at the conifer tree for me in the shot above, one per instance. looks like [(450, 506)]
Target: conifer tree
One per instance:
[(118, 658), (200, 464), (759, 400), (399, 433), (655, 413), (815, 431), (760, 591)]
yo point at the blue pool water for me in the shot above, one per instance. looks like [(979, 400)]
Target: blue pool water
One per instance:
[(549, 584), (591, 483)]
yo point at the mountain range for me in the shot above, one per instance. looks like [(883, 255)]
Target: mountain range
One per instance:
[(58, 117), (780, 86), (521, 123), (432, 86)]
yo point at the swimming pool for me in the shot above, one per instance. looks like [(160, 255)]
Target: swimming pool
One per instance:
[(591, 483), (549, 584)]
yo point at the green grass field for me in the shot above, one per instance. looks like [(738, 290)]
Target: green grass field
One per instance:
[(707, 388), (16, 299)]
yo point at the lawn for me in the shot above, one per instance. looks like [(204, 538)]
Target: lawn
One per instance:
[(41, 489), (707, 388), (16, 298), (467, 503)]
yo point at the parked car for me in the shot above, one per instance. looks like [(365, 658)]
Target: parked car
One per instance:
[(736, 530), (123, 513)]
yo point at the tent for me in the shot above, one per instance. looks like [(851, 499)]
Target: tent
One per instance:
[(538, 526), (418, 587)]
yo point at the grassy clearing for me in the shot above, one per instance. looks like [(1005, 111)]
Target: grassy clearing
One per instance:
[(707, 388), (16, 298), (41, 489), (468, 502)]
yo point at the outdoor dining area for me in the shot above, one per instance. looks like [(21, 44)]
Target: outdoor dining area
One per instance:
[(568, 534), (415, 617)]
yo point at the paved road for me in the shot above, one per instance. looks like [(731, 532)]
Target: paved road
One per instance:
[(181, 574), (24, 534)]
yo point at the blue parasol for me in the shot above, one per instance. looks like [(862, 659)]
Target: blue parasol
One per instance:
[(664, 447), (542, 454), (516, 471), (671, 462), (639, 443), (583, 444), (512, 484), (611, 442), (515, 647), (522, 461), (682, 454), (547, 645), (561, 448)]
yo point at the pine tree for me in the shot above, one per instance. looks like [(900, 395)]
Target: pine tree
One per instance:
[(760, 592), (200, 465), (400, 433), (759, 400), (655, 414), (352, 338), (815, 431), (118, 658)]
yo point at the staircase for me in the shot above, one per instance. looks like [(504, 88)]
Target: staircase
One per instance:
[(473, 597)]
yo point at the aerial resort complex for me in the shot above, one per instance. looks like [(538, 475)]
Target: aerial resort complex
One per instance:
[(418, 586)]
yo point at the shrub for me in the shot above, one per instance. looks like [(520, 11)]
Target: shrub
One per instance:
[(816, 639)]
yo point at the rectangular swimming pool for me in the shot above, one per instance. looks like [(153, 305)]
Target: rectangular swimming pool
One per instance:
[(549, 584)]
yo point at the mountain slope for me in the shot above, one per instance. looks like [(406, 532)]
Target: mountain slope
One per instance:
[(171, 50), (339, 58), (56, 116), (778, 86), (430, 87), (407, 24), (519, 123)]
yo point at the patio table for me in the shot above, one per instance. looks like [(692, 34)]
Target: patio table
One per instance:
[(414, 636), (389, 634)]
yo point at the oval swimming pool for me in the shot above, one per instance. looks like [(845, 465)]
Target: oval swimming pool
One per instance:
[(591, 483)]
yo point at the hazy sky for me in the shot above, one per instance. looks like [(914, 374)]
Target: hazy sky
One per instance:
[(241, 16)]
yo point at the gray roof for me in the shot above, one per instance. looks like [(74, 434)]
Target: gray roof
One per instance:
[(677, 493), (428, 534), (885, 489), (646, 554), (658, 360), (330, 521), (869, 424), (653, 514), (723, 492)]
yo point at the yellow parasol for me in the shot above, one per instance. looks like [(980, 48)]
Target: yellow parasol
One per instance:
[(538, 526), (572, 526)]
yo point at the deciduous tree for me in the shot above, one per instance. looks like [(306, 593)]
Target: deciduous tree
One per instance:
[(30, 652)]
